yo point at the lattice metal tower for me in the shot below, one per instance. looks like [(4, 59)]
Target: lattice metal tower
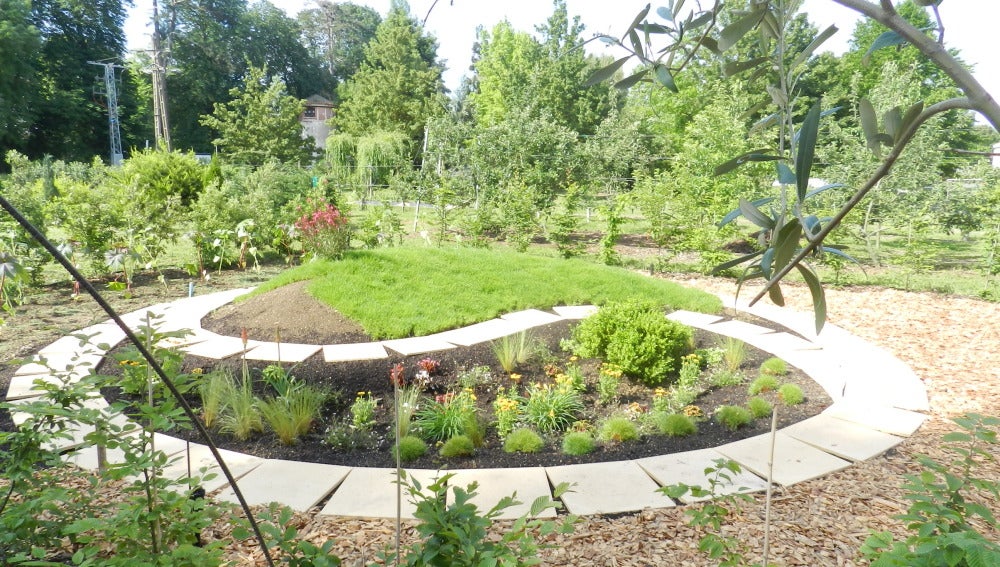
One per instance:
[(109, 90)]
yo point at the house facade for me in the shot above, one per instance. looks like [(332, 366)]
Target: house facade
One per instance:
[(314, 119)]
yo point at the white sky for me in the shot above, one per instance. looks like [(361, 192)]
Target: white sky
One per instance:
[(968, 25)]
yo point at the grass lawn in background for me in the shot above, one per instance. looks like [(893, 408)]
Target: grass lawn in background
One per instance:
[(409, 291)]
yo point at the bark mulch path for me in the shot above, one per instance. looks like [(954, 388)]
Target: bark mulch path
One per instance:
[(953, 344)]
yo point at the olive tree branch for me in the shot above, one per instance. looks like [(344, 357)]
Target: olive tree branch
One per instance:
[(883, 170)]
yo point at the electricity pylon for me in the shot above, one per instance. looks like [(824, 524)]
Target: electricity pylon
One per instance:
[(110, 91)]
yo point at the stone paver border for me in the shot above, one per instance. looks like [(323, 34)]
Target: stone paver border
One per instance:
[(877, 400)]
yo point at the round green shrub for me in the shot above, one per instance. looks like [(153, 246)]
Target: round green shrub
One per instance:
[(578, 443), (675, 424), (636, 337), (458, 446), (759, 407), (618, 429), (523, 440), (774, 366), (733, 417), (791, 394), (411, 448), (763, 384)]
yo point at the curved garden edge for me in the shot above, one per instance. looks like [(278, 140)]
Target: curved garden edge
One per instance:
[(852, 430)]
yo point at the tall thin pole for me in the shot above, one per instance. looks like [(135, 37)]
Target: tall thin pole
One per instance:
[(161, 120), (110, 91)]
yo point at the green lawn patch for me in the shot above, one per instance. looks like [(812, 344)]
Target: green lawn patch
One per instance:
[(401, 292)]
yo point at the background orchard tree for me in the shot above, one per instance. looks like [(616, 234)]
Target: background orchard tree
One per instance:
[(260, 123)]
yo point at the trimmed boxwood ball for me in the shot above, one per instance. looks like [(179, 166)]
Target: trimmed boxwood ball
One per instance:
[(458, 446), (411, 448), (733, 417), (618, 429), (523, 440), (759, 407), (578, 443), (774, 366), (762, 384), (791, 394)]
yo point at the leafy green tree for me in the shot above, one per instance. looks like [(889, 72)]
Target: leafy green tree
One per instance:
[(260, 123), (19, 41), (398, 87), (336, 34), (274, 42), (505, 62)]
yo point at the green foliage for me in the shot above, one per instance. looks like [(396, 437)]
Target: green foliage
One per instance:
[(759, 407), (507, 408), (774, 367), (733, 417), (446, 417), (278, 526), (362, 410), (404, 284), (608, 382), (617, 429), (762, 384), (281, 380), (550, 408), (515, 349), (578, 443), (947, 504), (523, 440), (242, 418), (410, 448), (790, 394), (734, 352), (343, 436), (324, 230), (458, 446), (260, 123), (674, 424), (293, 414), (722, 377), (454, 532), (636, 337), (214, 389), (163, 179)]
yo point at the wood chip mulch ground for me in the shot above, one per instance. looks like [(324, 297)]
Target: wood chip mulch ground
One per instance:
[(952, 343)]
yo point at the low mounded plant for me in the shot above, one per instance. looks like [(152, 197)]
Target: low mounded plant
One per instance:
[(722, 377), (458, 446), (343, 436), (733, 417), (578, 443), (411, 448), (635, 336), (762, 384), (774, 366), (523, 440), (759, 407), (618, 429), (674, 424), (791, 394)]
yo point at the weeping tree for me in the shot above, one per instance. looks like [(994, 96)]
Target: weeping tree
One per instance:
[(369, 161)]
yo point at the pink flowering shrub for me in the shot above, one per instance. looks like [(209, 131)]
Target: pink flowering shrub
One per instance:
[(324, 230)]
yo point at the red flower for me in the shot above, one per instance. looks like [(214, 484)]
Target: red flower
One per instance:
[(398, 375)]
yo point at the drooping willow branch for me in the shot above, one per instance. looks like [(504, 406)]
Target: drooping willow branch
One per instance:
[(882, 170), (153, 364)]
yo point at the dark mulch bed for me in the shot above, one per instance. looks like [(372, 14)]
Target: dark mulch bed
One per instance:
[(363, 376)]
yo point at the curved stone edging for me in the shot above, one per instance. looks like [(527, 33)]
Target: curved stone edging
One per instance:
[(875, 395)]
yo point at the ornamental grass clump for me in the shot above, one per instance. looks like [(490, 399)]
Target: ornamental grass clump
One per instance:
[(447, 416), (791, 394), (734, 352), (674, 424), (759, 407), (458, 446), (523, 440), (618, 429), (733, 417), (411, 448), (774, 366), (578, 443), (215, 389), (515, 349), (763, 384), (291, 416), (242, 418)]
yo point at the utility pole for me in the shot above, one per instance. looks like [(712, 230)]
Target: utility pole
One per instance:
[(110, 91), (161, 122)]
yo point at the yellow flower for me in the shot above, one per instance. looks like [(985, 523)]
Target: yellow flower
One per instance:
[(515, 377), (198, 371), (692, 411)]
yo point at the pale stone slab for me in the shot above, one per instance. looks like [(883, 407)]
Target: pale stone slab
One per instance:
[(200, 305), (781, 343), (607, 488), (873, 374), (693, 319), (101, 334), (24, 386), (298, 485), (67, 344), (282, 352), (86, 458), (842, 438), (738, 329), (371, 493), (883, 418), (531, 318), (689, 468), (794, 461), (494, 484), (575, 311), (197, 335), (823, 366), (354, 351), (217, 347), (418, 345), (201, 457), (479, 333)]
